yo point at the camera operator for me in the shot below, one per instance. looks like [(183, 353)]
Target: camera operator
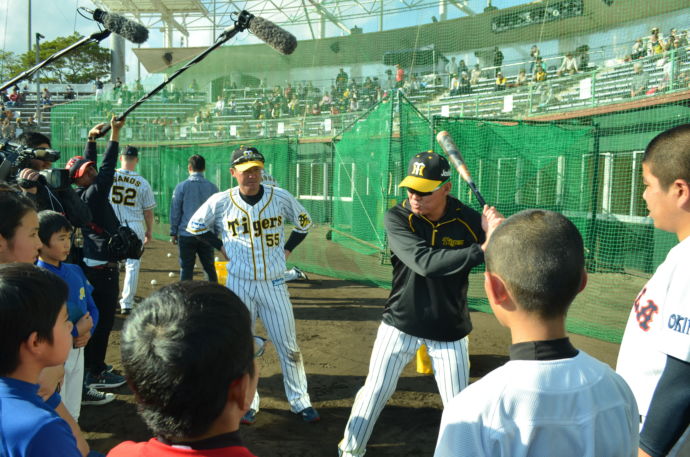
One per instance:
[(45, 196), (93, 187)]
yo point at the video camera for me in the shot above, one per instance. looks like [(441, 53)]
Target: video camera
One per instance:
[(14, 157)]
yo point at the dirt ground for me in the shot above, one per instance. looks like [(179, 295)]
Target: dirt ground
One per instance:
[(336, 327)]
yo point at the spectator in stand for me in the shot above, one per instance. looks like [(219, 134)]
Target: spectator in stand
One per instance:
[(69, 93), (464, 87), (638, 84), (462, 66), (672, 36), (582, 56), (14, 98), (99, 88), (46, 99), (638, 50), (521, 79), (534, 53), (568, 65), (412, 85), (354, 105), (232, 107), (655, 44), (679, 53), (500, 81), (3, 97), (399, 76), (454, 85), (683, 38), (257, 107), (287, 93), (7, 129), (498, 59), (326, 101), (219, 108), (476, 74), (452, 70), (539, 74), (315, 110), (341, 81), (117, 87), (30, 125)]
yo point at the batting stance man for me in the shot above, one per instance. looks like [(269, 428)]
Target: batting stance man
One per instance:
[(435, 241), (132, 199), (252, 218)]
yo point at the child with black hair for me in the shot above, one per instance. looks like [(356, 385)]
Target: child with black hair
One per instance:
[(55, 233), (19, 242), (550, 398), (654, 357), (188, 413), (35, 333)]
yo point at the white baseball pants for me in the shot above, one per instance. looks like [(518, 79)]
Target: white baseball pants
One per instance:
[(392, 351), (131, 282), (270, 301)]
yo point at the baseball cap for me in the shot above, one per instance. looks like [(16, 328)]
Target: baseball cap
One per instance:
[(131, 151), (244, 158), (426, 172), (77, 165)]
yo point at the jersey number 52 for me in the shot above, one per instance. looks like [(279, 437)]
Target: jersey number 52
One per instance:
[(123, 196)]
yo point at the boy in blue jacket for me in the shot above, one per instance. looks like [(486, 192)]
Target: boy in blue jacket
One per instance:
[(35, 333), (55, 233)]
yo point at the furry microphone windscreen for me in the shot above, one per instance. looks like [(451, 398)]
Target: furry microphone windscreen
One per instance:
[(281, 40), (129, 30)]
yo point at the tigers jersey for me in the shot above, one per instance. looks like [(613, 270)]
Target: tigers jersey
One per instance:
[(130, 195), (253, 236), (658, 325)]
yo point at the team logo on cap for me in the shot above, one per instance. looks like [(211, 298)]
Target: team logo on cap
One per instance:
[(418, 168)]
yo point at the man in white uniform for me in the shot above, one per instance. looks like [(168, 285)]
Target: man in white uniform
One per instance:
[(550, 399), (251, 219), (294, 273), (654, 357), (132, 200)]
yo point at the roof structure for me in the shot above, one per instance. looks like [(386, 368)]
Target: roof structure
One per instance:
[(186, 15)]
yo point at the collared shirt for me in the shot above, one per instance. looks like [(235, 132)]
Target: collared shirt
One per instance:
[(188, 196)]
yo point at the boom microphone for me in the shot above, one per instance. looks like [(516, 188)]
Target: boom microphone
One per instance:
[(451, 149), (130, 30), (279, 39)]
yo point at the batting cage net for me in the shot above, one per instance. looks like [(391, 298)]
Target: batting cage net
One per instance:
[(552, 104)]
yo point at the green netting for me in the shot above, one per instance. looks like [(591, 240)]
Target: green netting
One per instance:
[(591, 172), (571, 142)]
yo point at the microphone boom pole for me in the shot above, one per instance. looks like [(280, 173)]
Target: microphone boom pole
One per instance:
[(94, 38), (241, 24)]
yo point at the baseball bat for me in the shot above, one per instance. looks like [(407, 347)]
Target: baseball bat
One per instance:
[(453, 152)]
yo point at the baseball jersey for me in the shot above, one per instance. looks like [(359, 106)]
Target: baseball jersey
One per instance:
[(567, 407), (658, 325), (130, 195), (253, 236)]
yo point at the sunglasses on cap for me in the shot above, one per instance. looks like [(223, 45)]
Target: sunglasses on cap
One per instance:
[(251, 157)]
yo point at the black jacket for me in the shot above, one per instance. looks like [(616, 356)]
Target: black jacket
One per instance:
[(431, 264), (97, 197), (65, 201)]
